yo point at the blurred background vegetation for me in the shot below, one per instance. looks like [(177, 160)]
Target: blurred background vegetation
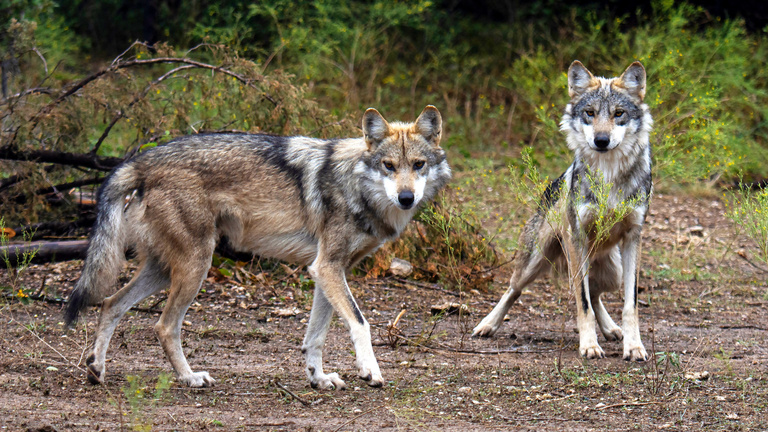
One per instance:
[(495, 69)]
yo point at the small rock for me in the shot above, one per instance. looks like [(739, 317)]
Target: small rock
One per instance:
[(697, 376), (400, 267), (448, 308), (285, 312), (600, 405), (696, 230), (465, 390)]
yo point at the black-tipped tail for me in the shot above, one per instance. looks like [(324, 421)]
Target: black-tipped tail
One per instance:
[(77, 302), (106, 251)]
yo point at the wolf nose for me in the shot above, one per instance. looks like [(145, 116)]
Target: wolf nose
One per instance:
[(602, 141), (405, 198)]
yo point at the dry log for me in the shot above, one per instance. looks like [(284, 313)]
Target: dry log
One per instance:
[(47, 251)]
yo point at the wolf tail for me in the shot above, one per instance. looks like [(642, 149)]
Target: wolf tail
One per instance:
[(106, 250)]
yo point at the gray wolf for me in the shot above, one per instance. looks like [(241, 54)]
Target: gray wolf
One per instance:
[(607, 126), (323, 203)]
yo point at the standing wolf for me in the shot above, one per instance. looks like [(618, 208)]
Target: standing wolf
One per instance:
[(323, 203), (607, 126)]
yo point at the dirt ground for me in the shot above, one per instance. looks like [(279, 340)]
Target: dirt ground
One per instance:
[(703, 312)]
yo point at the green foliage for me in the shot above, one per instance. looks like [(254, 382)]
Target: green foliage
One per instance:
[(16, 266), (749, 210), (607, 210), (142, 400), (134, 104), (457, 238), (445, 244), (706, 86), (501, 86)]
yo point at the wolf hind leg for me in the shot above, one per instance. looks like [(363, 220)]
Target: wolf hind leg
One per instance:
[(317, 329), (578, 275), (185, 283), (633, 346), (531, 266), (149, 279), (605, 275)]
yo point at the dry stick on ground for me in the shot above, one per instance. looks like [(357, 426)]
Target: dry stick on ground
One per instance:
[(66, 360), (293, 395), (528, 419), (627, 404), (442, 347), (357, 417)]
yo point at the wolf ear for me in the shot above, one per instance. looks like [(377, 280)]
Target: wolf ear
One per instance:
[(633, 79), (579, 79), (430, 124), (375, 128)]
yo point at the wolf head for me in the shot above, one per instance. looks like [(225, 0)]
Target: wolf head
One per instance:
[(406, 159), (606, 115)]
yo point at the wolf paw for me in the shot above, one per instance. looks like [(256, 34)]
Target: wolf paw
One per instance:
[(330, 381), (373, 379), (613, 334), (197, 379), (636, 354), (484, 329), (95, 372), (592, 352)]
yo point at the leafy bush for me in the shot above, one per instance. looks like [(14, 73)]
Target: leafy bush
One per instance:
[(749, 210), (146, 96)]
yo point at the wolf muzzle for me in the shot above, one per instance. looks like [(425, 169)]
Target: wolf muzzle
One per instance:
[(405, 198), (602, 141)]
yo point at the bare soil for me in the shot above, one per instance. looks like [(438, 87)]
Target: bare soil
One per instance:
[(703, 312)]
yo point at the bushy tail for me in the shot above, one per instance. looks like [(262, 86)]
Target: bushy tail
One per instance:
[(106, 250)]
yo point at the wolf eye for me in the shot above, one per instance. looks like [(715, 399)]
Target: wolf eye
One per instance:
[(618, 113), (418, 165), (590, 113), (389, 166)]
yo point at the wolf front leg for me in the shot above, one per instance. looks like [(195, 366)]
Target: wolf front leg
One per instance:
[(328, 274), (319, 321), (633, 346), (578, 270)]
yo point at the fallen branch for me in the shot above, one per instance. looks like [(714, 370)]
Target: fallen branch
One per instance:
[(101, 163), (350, 421), (56, 229), (530, 419), (627, 404), (305, 403), (47, 251), (442, 347)]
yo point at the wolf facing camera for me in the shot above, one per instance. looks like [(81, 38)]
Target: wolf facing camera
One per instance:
[(607, 126), (322, 203)]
